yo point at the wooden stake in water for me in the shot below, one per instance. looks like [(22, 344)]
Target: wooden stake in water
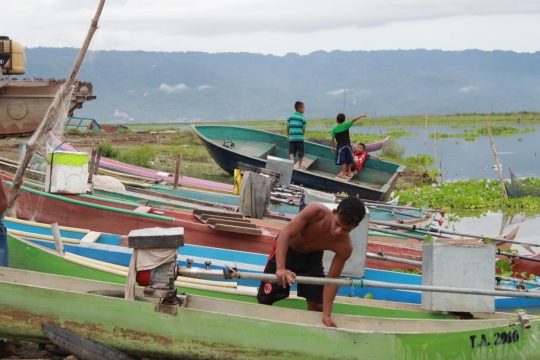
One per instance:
[(425, 138), (499, 170), (440, 167), (53, 114), (435, 144), (177, 171), (378, 122)]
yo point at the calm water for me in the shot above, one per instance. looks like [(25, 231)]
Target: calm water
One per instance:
[(460, 159)]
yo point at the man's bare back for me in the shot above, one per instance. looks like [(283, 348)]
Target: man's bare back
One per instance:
[(300, 246)]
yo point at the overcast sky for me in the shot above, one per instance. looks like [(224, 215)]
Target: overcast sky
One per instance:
[(276, 26)]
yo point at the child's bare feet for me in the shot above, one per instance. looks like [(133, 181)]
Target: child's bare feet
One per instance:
[(348, 174), (301, 167), (341, 175)]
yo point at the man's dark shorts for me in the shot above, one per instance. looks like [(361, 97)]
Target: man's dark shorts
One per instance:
[(310, 264), (296, 147)]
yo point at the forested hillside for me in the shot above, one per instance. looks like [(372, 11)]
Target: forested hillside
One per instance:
[(138, 86)]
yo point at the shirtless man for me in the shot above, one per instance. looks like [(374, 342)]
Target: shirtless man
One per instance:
[(299, 249)]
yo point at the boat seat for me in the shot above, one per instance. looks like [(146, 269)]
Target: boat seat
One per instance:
[(263, 151), (307, 162), (91, 237), (344, 179), (143, 209)]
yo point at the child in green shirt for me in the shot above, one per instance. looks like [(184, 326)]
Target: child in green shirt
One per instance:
[(344, 154)]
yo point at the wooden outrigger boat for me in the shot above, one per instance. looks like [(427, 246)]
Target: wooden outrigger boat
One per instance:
[(229, 145), (30, 255), (221, 329), (105, 247), (150, 173)]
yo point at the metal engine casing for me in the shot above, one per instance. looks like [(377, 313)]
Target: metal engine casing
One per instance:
[(164, 275)]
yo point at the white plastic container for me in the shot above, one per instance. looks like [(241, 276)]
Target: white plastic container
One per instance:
[(66, 173)]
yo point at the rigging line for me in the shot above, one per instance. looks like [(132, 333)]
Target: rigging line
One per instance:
[(344, 100)]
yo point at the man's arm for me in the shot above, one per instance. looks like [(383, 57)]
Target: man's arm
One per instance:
[(297, 224), (287, 131), (330, 291), (358, 117), (3, 196)]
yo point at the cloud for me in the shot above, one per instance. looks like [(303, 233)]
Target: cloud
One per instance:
[(122, 115), (202, 87), (336, 92), (468, 88), (276, 26), (168, 89)]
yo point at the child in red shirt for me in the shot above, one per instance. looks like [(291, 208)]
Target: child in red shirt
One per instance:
[(360, 155)]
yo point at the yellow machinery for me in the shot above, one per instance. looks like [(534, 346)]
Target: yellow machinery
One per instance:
[(12, 59)]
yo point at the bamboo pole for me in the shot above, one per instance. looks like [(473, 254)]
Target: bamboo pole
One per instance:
[(378, 122), (53, 113), (499, 170), (177, 171)]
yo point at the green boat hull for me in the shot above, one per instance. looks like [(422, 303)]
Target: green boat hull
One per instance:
[(221, 329), (27, 256)]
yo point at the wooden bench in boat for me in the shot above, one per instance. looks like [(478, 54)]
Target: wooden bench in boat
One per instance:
[(344, 179), (263, 151), (91, 237), (227, 222), (143, 209), (306, 163)]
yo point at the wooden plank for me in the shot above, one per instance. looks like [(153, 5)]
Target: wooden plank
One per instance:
[(306, 163), (213, 221), (57, 238), (344, 179), (143, 209), (218, 213), (236, 229), (91, 237), (205, 218)]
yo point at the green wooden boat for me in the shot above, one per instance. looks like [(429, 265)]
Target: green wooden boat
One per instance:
[(229, 145), (26, 255), (213, 328)]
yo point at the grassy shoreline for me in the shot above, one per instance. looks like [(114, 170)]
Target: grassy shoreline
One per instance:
[(371, 120)]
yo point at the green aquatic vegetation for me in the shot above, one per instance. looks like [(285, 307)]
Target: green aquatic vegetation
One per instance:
[(471, 134), (525, 187), (419, 161), (504, 267), (355, 138), (465, 194), (398, 133), (520, 139)]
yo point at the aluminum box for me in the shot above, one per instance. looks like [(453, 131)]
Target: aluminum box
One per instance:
[(461, 266), (282, 166)]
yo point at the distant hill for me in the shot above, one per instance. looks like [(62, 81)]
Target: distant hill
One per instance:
[(138, 86)]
